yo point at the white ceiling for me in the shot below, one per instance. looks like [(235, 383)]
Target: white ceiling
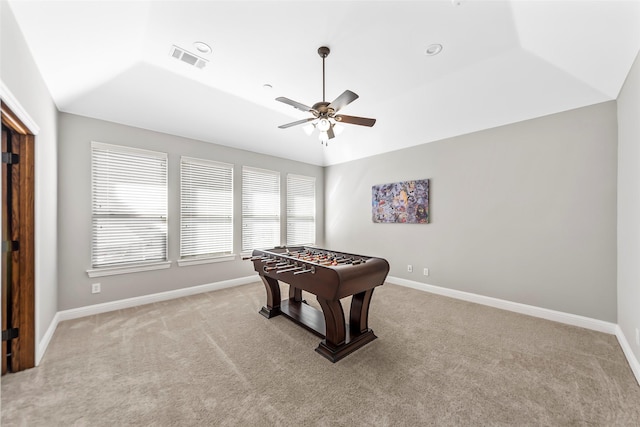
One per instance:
[(502, 62)]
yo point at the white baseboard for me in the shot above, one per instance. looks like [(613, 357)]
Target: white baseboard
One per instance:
[(46, 339), (543, 313), (626, 349), (90, 310)]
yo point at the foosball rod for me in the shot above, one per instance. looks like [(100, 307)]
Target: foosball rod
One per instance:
[(254, 258), (286, 270)]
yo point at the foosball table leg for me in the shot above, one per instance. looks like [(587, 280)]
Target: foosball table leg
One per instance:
[(359, 313), (339, 342), (295, 294), (336, 333), (272, 287)]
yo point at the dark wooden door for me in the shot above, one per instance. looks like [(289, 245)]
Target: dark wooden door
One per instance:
[(18, 264), (6, 274)]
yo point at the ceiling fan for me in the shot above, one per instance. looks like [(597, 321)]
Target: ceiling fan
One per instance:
[(324, 114)]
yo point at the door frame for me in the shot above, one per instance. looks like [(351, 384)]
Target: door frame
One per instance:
[(23, 304)]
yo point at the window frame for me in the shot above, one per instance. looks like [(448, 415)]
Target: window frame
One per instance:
[(292, 217), (209, 257), (275, 218), (107, 269)]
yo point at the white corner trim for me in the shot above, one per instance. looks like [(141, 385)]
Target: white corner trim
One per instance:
[(90, 310), (15, 106), (543, 313), (46, 339), (626, 349)]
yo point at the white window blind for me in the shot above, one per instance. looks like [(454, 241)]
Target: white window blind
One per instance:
[(260, 208), (301, 210), (129, 206), (206, 208)]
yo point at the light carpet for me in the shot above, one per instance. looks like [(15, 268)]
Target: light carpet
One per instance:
[(211, 359)]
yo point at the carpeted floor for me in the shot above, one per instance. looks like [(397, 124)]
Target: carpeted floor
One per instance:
[(212, 360)]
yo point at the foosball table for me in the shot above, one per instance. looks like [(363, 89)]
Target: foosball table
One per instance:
[(330, 276)]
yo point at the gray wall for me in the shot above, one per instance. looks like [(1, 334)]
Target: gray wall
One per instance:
[(629, 207), (20, 75), (75, 135), (524, 212)]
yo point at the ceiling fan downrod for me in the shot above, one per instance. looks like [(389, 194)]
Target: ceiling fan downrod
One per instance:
[(323, 51)]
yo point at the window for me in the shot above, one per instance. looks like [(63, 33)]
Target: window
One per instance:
[(260, 209), (129, 207), (206, 208), (301, 210)]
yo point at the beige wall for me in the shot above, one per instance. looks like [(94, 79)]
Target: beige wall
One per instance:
[(20, 75), (76, 134), (629, 208), (524, 212)]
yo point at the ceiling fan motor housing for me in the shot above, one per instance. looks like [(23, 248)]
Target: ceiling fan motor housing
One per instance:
[(321, 108)]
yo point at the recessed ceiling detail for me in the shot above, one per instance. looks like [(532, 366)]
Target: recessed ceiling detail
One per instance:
[(189, 58), (433, 49), (502, 61)]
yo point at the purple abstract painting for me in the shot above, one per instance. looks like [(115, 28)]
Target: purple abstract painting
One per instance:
[(403, 202)]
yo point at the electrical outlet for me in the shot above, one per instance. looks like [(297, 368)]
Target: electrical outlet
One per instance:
[(425, 271), (95, 288), (410, 268), (637, 336)]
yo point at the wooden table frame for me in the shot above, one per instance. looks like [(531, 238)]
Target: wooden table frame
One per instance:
[(339, 338)]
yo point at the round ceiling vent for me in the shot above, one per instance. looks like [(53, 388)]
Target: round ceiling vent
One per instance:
[(433, 49)]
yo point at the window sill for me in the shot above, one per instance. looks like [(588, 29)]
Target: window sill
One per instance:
[(208, 260), (112, 271)]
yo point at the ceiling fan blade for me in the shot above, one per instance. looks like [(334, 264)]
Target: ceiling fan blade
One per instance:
[(294, 104), (299, 122), (330, 133), (343, 100), (362, 121)]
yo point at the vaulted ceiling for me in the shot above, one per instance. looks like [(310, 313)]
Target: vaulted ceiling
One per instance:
[(501, 62)]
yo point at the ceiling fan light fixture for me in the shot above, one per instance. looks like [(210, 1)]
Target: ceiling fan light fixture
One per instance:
[(323, 125), (309, 128)]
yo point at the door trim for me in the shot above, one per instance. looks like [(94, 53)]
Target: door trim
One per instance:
[(10, 101), (23, 304)]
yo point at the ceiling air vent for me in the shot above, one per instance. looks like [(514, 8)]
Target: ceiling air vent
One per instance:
[(189, 58)]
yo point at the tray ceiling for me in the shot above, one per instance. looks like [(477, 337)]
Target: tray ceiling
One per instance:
[(501, 62)]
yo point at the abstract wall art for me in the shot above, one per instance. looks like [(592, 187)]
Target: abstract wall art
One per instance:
[(401, 202)]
